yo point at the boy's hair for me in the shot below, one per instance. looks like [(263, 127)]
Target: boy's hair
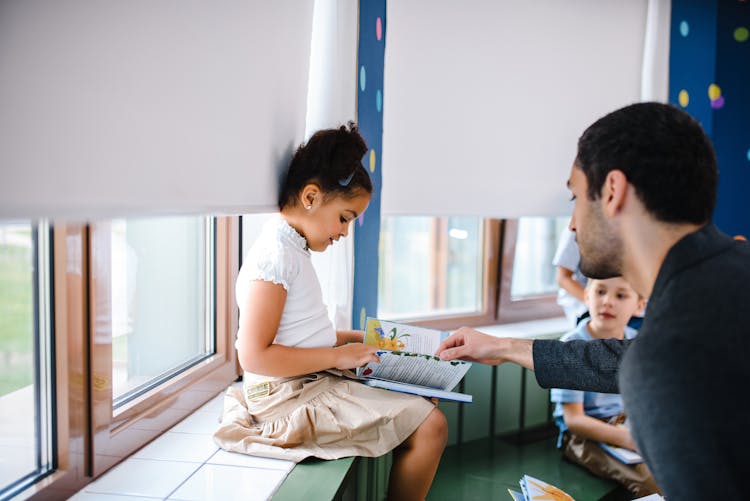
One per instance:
[(331, 159), (664, 154)]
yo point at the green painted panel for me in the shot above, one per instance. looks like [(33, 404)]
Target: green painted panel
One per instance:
[(507, 398), (450, 409), (476, 415), (537, 402), (315, 480)]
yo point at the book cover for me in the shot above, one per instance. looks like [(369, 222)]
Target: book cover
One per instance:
[(407, 363), (624, 455)]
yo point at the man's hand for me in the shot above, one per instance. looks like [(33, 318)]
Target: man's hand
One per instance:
[(475, 346)]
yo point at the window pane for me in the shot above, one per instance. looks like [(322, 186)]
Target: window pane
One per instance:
[(536, 242), (430, 266), (25, 357), (161, 298)]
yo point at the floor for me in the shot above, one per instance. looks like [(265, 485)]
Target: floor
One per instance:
[(185, 464), (485, 469)]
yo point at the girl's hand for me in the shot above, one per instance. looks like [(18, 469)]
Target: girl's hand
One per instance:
[(353, 355)]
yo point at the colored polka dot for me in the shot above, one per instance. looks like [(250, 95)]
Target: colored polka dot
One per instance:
[(372, 160), (362, 78), (683, 98), (741, 34), (748, 155), (714, 92), (717, 103), (379, 28), (684, 28), (362, 315), (379, 101)]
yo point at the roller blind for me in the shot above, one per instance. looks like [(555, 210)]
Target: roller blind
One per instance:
[(143, 107), (484, 100)]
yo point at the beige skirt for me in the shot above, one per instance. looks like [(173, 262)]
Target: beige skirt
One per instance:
[(320, 415)]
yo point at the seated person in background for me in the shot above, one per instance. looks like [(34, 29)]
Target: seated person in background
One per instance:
[(569, 277), (586, 417)]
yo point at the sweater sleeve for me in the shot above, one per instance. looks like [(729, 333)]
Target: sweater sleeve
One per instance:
[(579, 365)]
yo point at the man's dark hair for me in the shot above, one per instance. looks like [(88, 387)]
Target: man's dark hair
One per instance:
[(664, 154), (332, 159)]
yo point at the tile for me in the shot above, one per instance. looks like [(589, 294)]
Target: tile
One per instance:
[(235, 459), (204, 422), (179, 447), (142, 477), (215, 405), (90, 496), (227, 483)]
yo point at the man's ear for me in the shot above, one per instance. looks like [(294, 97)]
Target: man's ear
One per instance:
[(309, 195), (614, 192)]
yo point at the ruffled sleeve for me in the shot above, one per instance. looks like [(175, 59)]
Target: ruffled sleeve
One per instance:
[(272, 263)]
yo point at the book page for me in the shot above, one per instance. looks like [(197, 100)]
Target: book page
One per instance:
[(394, 336), (413, 368)]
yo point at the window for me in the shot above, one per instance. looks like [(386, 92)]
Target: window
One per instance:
[(162, 322), (26, 382), (159, 302), (443, 271), (528, 284), (437, 268)]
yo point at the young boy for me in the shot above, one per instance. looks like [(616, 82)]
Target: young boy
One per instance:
[(587, 418)]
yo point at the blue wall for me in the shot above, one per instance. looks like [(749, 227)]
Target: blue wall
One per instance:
[(370, 117), (709, 77)]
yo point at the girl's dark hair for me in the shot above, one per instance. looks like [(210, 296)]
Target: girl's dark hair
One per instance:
[(331, 159)]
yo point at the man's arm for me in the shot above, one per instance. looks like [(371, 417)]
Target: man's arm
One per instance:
[(579, 365), (576, 365)]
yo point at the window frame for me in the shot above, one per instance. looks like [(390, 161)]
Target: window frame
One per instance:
[(509, 310), (488, 313), (90, 438)]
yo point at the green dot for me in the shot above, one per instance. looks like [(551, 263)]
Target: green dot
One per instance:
[(741, 34)]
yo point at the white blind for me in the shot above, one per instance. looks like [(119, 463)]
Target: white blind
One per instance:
[(484, 100), (143, 107)]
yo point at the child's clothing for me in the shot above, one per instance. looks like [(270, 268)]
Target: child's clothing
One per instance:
[(568, 256), (607, 407), (322, 414)]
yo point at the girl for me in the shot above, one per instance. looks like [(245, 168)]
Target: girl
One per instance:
[(586, 418), (291, 406)]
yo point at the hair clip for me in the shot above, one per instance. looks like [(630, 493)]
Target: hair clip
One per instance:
[(346, 181)]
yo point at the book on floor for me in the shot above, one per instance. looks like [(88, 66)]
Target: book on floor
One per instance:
[(533, 489), (408, 364)]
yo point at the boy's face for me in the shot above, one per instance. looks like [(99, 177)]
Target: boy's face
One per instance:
[(330, 220), (611, 303)]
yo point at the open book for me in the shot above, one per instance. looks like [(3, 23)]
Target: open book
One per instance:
[(407, 363), (535, 489)]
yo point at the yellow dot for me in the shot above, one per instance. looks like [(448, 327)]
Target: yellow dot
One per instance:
[(714, 92), (372, 160), (684, 98), (741, 34), (362, 318)]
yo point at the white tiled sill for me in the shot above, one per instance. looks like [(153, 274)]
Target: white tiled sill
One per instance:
[(185, 464)]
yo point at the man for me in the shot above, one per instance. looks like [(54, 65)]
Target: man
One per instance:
[(644, 184)]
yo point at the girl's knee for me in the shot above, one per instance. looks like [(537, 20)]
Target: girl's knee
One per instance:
[(435, 427)]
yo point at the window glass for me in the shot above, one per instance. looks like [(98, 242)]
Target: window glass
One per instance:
[(536, 242), (430, 266), (159, 298), (25, 356)]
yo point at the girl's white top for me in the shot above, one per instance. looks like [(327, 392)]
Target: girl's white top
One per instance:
[(280, 255)]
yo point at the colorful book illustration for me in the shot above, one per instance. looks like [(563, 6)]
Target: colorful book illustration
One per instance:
[(534, 489), (407, 363), (624, 455)]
